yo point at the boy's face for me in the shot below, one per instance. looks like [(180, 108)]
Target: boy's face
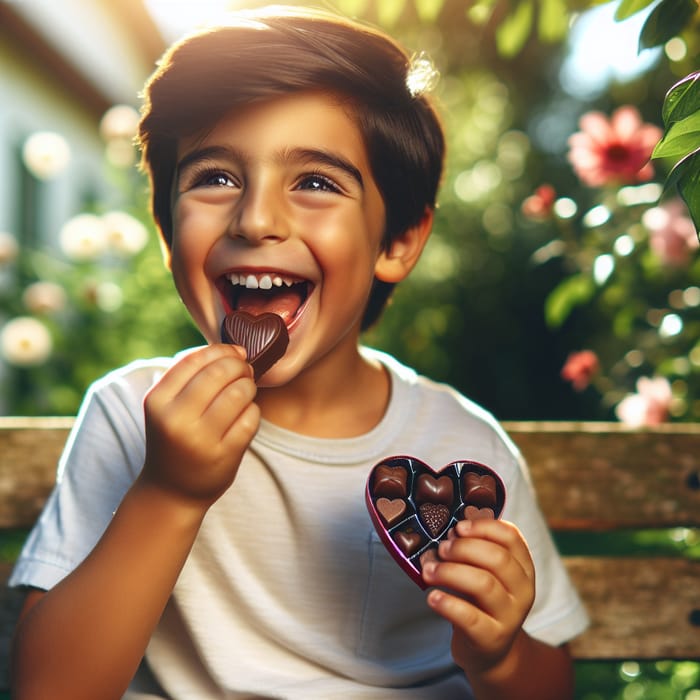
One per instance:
[(275, 209)]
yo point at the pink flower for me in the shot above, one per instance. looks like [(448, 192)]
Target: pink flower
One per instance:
[(615, 150), (579, 369), (672, 233), (649, 406), (539, 205)]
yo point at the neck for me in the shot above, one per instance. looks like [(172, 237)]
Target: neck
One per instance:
[(325, 403)]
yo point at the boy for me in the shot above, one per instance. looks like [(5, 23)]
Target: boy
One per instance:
[(210, 535)]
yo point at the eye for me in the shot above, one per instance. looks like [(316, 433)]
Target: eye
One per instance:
[(214, 178), (315, 182)]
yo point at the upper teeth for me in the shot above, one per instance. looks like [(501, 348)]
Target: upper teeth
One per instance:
[(265, 281)]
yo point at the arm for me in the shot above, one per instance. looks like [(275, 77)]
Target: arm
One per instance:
[(85, 637), (487, 586)]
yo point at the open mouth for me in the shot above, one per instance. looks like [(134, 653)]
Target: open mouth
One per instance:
[(258, 293)]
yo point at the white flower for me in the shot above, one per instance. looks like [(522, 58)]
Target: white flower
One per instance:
[(119, 122), (25, 342), (84, 237), (108, 296), (44, 297), (118, 128), (126, 235), (9, 248), (649, 406), (46, 154)]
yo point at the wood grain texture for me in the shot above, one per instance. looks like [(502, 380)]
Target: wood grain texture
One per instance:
[(601, 476), (640, 608)]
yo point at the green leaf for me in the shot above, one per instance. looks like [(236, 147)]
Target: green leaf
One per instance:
[(428, 10), (480, 11), (682, 99), (680, 139), (567, 295), (389, 11), (627, 8), (353, 8), (553, 22), (688, 185), (515, 29), (665, 22)]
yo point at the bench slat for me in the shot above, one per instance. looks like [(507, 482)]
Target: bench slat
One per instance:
[(640, 608), (601, 476), (29, 452), (579, 471)]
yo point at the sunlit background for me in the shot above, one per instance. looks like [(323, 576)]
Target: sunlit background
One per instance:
[(554, 287), (511, 290)]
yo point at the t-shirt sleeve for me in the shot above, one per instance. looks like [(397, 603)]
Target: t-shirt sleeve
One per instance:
[(557, 614), (102, 457)]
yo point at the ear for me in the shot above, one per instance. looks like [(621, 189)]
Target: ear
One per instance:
[(394, 264)]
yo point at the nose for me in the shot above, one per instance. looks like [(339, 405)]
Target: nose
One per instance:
[(260, 214)]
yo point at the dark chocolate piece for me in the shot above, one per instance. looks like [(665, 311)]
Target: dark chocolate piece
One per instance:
[(408, 540), (480, 490), (391, 510), (476, 513), (432, 490), (390, 481), (435, 517), (264, 337)]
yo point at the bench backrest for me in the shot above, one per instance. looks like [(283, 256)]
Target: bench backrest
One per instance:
[(589, 477)]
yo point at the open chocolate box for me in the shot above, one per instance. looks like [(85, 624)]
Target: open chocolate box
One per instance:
[(413, 506)]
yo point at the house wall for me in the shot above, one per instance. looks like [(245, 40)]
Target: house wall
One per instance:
[(61, 65)]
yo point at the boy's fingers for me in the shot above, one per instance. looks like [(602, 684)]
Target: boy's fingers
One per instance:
[(472, 622), (203, 388), (228, 405), (475, 584), (178, 376), (499, 532)]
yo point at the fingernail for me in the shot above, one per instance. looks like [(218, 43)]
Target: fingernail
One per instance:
[(434, 597)]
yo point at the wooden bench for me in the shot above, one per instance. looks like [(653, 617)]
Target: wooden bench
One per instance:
[(591, 478)]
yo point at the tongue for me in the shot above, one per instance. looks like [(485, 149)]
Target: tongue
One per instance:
[(284, 302)]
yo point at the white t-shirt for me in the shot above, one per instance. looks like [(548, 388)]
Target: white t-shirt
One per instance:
[(288, 592)]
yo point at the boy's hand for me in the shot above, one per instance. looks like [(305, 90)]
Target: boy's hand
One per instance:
[(200, 418), (487, 579)]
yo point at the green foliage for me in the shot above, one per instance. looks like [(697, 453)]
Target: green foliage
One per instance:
[(681, 141), (515, 29), (666, 20), (627, 8), (566, 296)]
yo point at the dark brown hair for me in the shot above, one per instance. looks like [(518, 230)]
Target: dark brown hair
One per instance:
[(261, 55)]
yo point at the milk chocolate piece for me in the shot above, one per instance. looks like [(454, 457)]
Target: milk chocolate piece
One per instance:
[(391, 510), (480, 490), (390, 482), (408, 540), (432, 490), (435, 517), (476, 513), (264, 337)]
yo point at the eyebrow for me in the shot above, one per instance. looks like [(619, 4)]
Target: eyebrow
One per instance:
[(202, 154), (333, 160), (308, 155)]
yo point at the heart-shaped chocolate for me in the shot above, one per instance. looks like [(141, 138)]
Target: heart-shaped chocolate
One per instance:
[(413, 506), (264, 337)]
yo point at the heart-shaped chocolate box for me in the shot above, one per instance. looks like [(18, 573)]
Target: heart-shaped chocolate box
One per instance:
[(413, 506)]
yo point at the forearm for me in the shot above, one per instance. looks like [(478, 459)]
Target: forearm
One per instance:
[(86, 637), (532, 670)]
